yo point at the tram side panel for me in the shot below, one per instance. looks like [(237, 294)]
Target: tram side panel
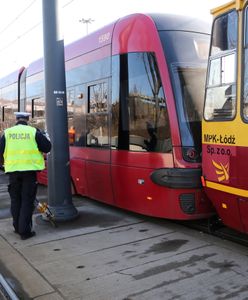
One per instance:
[(88, 85)]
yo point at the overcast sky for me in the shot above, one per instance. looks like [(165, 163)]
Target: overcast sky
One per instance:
[(21, 22)]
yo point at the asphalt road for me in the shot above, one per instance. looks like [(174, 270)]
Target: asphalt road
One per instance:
[(111, 254)]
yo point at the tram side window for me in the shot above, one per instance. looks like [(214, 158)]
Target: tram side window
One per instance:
[(245, 82), (70, 114), (76, 110), (220, 102), (36, 107), (97, 134), (139, 112), (8, 116), (224, 34), (9, 105), (32, 98)]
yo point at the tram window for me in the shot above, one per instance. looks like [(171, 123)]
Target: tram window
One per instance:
[(86, 72), (97, 134), (97, 124), (188, 75), (220, 103), (36, 107), (35, 85), (228, 69), (32, 99), (224, 35), (70, 104), (9, 104), (139, 111), (8, 116), (76, 110), (222, 70), (214, 72), (98, 97)]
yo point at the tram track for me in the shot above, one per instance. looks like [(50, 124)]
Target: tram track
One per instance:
[(215, 227)]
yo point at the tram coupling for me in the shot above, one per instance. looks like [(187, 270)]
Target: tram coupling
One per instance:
[(44, 209)]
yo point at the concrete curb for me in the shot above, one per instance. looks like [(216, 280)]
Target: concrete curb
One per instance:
[(25, 276)]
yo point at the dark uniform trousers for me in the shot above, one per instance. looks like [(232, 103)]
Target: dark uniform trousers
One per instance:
[(22, 190)]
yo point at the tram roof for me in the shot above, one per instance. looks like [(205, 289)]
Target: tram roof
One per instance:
[(235, 4), (167, 22), (172, 22), (11, 78)]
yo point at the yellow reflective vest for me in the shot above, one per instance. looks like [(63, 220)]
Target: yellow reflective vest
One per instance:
[(21, 152)]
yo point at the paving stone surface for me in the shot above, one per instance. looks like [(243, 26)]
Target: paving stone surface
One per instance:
[(111, 254)]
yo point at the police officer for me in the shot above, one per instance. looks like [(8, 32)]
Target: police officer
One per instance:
[(20, 151)]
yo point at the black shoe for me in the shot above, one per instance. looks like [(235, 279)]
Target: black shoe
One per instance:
[(28, 235)]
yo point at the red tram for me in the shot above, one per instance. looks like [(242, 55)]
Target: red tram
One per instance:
[(135, 92)]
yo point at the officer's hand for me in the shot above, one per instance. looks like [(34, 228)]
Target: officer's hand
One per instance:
[(45, 133)]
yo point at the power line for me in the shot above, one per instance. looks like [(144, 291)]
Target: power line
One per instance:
[(26, 32), (16, 18), (68, 3), (19, 37)]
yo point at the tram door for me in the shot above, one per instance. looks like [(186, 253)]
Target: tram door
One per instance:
[(97, 166)]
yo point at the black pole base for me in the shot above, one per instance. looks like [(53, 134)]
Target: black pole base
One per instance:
[(64, 213)]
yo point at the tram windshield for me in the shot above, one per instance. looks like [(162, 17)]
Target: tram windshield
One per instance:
[(186, 55), (220, 102)]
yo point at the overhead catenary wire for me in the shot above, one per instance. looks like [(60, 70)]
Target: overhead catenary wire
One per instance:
[(16, 18), (19, 37), (27, 31), (68, 3)]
